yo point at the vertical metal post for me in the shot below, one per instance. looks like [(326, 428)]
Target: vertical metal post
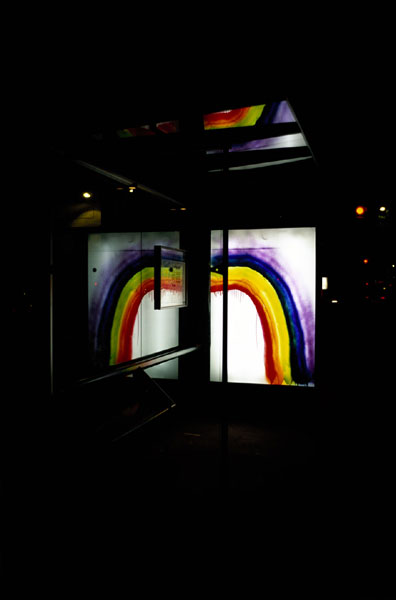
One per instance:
[(51, 315), (224, 411), (225, 307)]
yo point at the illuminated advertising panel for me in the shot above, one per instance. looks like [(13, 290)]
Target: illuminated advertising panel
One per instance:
[(270, 306), (123, 323)]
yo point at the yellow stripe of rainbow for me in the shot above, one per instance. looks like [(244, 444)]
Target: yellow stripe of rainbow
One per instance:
[(272, 317)]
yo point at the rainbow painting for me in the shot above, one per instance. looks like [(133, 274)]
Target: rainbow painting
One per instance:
[(123, 324), (125, 312), (237, 117), (271, 287)]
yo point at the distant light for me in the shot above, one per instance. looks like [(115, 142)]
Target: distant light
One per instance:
[(132, 188), (382, 208), (183, 208), (325, 283), (334, 301), (360, 210), (87, 195), (365, 260)]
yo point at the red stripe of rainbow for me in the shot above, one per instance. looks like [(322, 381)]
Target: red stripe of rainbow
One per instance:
[(132, 294)]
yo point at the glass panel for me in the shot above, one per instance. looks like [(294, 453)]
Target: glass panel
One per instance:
[(114, 279), (148, 130), (279, 112), (295, 140), (123, 324), (160, 328), (216, 306), (271, 306), (166, 370)]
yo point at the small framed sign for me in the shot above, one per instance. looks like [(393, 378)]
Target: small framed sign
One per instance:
[(170, 278)]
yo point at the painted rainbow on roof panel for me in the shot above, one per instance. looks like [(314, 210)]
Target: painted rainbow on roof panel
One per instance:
[(237, 117)]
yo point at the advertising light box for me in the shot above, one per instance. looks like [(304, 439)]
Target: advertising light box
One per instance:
[(271, 284)]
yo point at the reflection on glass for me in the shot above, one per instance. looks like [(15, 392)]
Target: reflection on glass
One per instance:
[(295, 140)]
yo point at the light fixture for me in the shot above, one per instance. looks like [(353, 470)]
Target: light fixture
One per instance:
[(132, 188), (87, 195), (360, 210), (382, 208)]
